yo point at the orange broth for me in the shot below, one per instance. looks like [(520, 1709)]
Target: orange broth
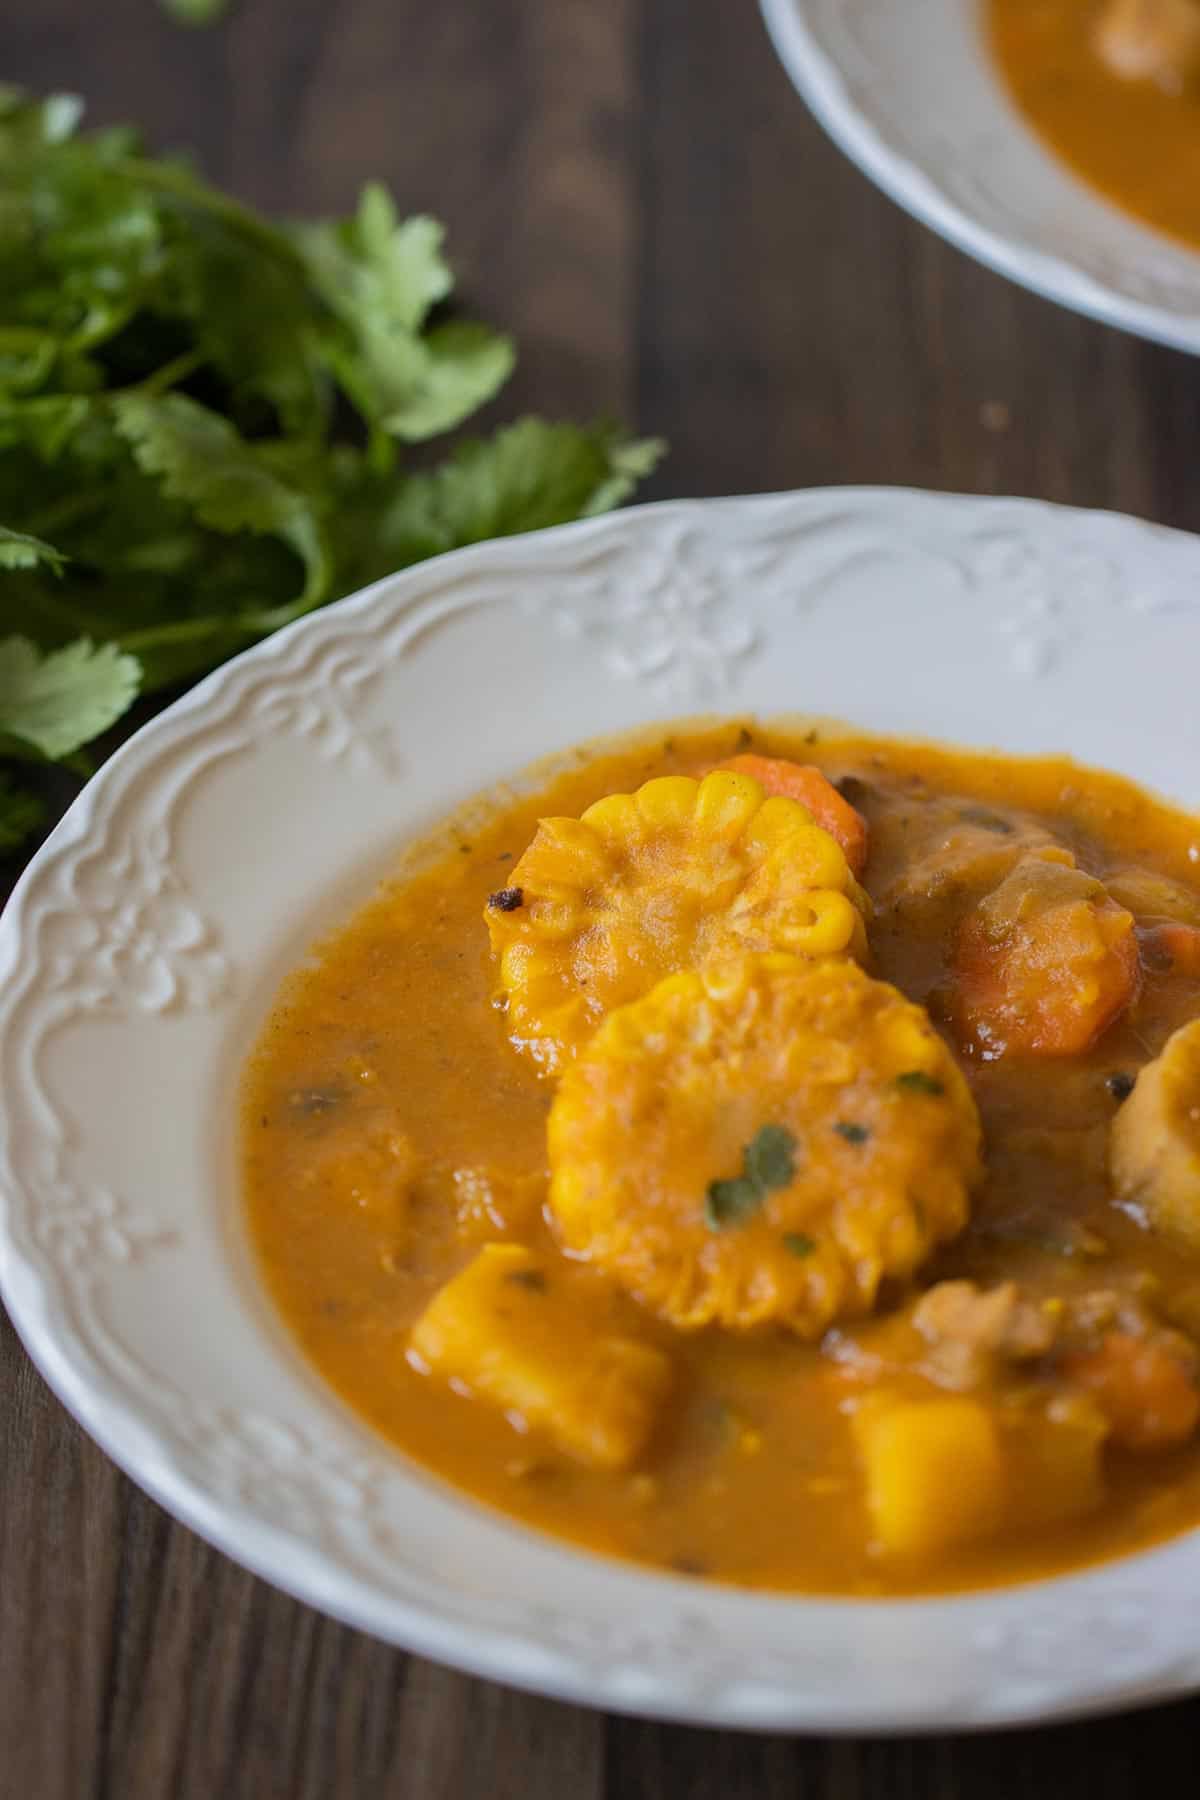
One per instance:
[(389, 1036)]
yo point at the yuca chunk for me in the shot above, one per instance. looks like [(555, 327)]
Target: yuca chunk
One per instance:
[(1154, 1145), (506, 1331), (762, 1140), (670, 877)]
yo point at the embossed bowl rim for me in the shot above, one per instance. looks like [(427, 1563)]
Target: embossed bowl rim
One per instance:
[(860, 129), (138, 955)]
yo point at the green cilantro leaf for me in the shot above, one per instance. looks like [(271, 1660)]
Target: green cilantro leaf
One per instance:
[(376, 268), (526, 477), (26, 123), (20, 813), (853, 1134), (798, 1243), (178, 473), (56, 703), (381, 276), (919, 1081), (770, 1157), (203, 461), (452, 371), (20, 550), (768, 1161), (729, 1202)]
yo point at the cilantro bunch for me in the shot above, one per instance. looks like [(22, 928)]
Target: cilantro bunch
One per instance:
[(204, 417)]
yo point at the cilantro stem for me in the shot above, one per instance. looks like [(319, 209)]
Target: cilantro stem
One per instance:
[(67, 511), (181, 185), (171, 374)]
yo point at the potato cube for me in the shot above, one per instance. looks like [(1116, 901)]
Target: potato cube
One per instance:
[(935, 1472), (508, 1331)]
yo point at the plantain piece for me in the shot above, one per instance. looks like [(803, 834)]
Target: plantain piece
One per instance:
[(679, 873), (762, 1141), (1154, 1145)]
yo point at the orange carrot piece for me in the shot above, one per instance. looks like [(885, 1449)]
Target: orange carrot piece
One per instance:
[(1048, 978), (802, 782), (1176, 945), (1146, 1392)]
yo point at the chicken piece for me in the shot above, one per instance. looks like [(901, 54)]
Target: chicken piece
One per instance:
[(1044, 964), (1154, 899), (972, 852), (970, 1330), (601, 907), (1154, 1142), (1151, 40), (763, 1140), (506, 1331)]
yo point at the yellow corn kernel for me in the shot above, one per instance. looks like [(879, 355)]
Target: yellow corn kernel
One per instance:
[(615, 818), (829, 927), (566, 850), (508, 1330), (670, 801), (726, 802), (935, 1473), (779, 821)]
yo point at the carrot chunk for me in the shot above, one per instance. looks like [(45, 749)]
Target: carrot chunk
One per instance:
[(1145, 1389), (802, 782), (1174, 944), (1045, 964)]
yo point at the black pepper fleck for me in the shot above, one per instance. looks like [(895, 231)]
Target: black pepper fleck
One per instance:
[(507, 899), (1120, 1084)]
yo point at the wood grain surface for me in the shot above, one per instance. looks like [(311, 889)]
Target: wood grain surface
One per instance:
[(633, 188)]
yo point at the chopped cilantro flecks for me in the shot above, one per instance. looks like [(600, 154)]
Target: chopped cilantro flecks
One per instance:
[(919, 1081), (770, 1157), (729, 1202), (768, 1161), (853, 1134), (533, 1279), (799, 1243)]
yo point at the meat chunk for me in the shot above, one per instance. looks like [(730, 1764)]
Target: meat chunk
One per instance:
[(1151, 40), (969, 1329), (1154, 1146)]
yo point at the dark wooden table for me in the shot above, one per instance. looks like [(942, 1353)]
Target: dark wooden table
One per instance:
[(634, 189)]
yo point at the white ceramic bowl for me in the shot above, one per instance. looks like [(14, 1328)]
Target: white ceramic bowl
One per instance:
[(907, 90), (142, 948)]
